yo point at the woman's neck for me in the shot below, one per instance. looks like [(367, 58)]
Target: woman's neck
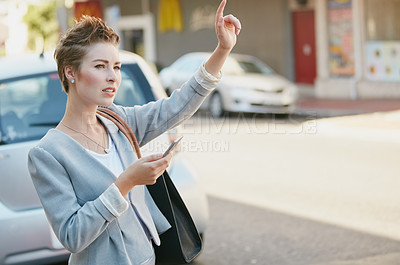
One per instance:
[(80, 116)]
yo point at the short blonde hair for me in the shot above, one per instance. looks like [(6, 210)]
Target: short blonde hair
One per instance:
[(73, 46)]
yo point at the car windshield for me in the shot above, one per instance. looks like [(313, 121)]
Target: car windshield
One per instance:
[(242, 66)]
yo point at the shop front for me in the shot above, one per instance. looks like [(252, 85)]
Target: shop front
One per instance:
[(358, 48)]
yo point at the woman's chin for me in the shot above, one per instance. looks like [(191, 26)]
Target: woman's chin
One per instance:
[(106, 103)]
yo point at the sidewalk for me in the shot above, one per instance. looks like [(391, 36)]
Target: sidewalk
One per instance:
[(309, 104), (380, 119)]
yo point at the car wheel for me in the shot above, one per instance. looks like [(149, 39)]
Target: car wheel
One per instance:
[(216, 106)]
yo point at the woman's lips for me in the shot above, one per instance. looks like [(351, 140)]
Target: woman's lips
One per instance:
[(110, 91)]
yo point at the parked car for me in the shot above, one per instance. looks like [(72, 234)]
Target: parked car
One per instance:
[(247, 85), (32, 102)]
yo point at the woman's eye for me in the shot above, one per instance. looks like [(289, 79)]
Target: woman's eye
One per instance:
[(117, 67), (99, 66)]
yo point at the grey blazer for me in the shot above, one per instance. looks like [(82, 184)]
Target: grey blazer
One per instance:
[(85, 209)]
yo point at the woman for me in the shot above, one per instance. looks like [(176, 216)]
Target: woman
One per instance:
[(90, 183)]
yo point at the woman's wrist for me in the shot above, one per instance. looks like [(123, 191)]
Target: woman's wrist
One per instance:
[(216, 61), (220, 48), (123, 184)]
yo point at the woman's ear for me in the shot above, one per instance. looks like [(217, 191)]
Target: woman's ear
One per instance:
[(69, 73)]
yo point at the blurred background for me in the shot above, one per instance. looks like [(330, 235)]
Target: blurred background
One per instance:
[(318, 185), (338, 46)]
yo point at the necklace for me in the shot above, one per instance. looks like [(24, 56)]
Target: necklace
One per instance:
[(106, 150)]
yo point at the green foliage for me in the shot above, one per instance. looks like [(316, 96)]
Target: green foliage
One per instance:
[(42, 22)]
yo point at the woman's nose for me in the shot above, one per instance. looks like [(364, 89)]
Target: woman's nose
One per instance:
[(112, 76)]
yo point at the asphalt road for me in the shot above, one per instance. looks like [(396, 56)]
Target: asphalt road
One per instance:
[(240, 234), (298, 191)]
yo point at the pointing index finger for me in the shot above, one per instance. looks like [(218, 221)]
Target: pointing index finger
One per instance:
[(220, 11)]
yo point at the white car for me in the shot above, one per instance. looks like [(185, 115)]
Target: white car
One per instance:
[(32, 102), (247, 85)]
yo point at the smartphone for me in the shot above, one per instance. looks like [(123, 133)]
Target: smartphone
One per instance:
[(172, 146)]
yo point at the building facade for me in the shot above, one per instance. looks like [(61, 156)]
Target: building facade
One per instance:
[(345, 48), (358, 48), (266, 34)]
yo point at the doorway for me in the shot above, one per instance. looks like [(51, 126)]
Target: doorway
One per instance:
[(138, 35), (133, 40), (304, 46)]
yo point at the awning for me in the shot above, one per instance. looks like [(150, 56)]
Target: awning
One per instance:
[(169, 16)]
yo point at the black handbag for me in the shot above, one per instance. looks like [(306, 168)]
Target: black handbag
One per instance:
[(181, 243)]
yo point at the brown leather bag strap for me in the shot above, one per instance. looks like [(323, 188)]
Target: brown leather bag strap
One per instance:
[(122, 126)]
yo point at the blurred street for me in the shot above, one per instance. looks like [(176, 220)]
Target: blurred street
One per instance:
[(299, 191)]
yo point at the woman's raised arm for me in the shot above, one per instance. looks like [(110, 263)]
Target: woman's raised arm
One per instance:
[(227, 28)]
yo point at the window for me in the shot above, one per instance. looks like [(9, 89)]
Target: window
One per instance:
[(30, 106), (382, 22), (341, 45), (255, 66), (133, 40), (134, 88)]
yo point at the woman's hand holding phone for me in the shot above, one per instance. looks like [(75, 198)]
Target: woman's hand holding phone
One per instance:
[(146, 170)]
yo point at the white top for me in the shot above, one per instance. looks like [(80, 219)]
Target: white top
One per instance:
[(110, 159)]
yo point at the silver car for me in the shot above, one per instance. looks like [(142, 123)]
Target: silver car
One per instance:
[(32, 102), (247, 85)]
